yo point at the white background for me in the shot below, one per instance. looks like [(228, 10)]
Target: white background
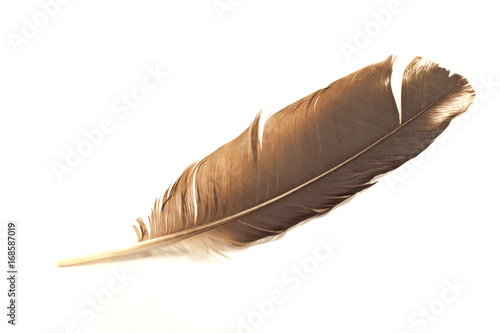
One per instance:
[(432, 221)]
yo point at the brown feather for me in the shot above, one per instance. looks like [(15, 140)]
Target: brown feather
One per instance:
[(314, 154)]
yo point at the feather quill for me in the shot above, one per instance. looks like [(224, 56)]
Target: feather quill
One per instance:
[(310, 157)]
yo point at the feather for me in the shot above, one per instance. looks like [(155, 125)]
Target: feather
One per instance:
[(310, 157)]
